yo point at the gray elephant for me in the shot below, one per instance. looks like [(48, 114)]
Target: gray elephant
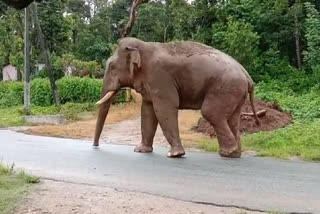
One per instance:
[(173, 76)]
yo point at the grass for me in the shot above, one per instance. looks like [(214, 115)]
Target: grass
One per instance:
[(12, 116), (301, 139), (13, 184)]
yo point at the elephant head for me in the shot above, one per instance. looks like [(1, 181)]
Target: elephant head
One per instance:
[(121, 68)]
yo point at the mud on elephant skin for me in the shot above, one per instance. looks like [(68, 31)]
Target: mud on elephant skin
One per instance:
[(173, 76)]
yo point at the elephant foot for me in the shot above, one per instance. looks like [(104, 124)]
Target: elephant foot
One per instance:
[(141, 148), (234, 152), (176, 152)]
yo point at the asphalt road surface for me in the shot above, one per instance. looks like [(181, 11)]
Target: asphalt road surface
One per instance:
[(252, 183)]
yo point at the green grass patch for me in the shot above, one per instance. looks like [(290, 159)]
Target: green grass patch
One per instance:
[(301, 139), (12, 116), (13, 184), (208, 145)]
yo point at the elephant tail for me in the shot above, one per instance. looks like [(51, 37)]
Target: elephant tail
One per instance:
[(251, 96)]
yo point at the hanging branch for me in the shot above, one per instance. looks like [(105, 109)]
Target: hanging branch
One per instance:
[(133, 12)]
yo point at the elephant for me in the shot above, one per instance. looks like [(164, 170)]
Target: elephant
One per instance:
[(174, 76)]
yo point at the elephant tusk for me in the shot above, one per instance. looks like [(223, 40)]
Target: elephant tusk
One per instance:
[(106, 97)]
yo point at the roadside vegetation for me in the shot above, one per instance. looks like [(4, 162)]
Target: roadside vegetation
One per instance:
[(13, 185)]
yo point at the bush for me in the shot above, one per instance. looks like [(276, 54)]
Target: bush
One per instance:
[(79, 68), (41, 92), (300, 104), (79, 90), (11, 94), (71, 89)]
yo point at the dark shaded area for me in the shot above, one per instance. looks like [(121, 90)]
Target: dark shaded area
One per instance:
[(18, 4), (274, 118)]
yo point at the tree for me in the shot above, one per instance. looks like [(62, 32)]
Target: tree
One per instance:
[(56, 28), (45, 51), (297, 13), (146, 22), (241, 42), (312, 53), (11, 41)]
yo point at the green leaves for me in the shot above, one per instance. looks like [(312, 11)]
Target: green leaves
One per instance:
[(71, 89), (241, 42), (312, 54)]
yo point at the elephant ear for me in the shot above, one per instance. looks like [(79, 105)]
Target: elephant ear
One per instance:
[(134, 59)]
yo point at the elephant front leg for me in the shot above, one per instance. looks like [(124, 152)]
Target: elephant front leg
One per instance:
[(149, 125), (168, 119)]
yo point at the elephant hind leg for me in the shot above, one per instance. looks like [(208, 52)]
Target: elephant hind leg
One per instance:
[(218, 111), (234, 124)]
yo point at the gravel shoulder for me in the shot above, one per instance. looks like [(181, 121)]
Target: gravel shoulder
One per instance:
[(52, 197)]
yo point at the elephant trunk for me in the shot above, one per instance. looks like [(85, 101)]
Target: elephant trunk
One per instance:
[(103, 112)]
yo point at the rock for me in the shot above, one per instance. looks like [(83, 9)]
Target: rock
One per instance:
[(45, 119)]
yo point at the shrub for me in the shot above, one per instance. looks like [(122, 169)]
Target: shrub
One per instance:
[(41, 92), (71, 89), (300, 104), (11, 94), (79, 89), (79, 68)]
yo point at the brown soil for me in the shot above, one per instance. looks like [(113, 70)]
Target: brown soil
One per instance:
[(275, 118)]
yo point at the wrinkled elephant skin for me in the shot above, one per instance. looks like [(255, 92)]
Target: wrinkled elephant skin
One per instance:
[(173, 76)]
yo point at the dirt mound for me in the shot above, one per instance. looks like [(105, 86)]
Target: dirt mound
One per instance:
[(274, 118)]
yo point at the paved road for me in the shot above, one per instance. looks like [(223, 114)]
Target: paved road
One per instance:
[(254, 183)]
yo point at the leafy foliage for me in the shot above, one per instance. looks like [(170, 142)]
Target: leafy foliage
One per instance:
[(71, 89), (79, 90), (11, 94), (312, 54), (240, 41)]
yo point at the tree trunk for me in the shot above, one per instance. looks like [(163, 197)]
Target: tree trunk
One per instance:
[(297, 32), (27, 50), (45, 51), (133, 12)]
